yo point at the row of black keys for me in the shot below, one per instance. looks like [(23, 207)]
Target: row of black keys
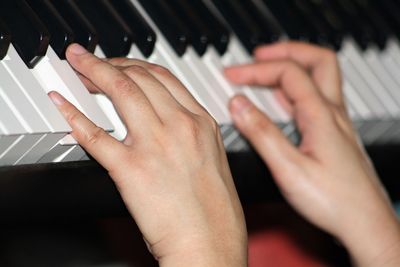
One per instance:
[(116, 24)]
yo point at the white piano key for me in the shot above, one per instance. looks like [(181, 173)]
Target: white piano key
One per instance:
[(363, 89), (75, 154), (269, 101), (10, 129), (55, 74), (56, 153), (393, 48), (29, 102), (6, 141), (373, 56), (190, 70), (377, 90), (393, 68), (13, 153), (354, 102), (9, 122), (29, 86), (44, 144), (215, 85)]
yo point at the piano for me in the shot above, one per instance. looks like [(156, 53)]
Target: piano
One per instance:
[(45, 173)]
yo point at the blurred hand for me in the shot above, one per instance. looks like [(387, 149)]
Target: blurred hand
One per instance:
[(328, 178), (171, 169)]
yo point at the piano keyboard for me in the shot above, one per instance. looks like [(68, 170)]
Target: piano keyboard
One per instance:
[(195, 39)]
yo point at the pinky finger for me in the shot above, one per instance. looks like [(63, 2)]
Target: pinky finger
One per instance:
[(100, 145)]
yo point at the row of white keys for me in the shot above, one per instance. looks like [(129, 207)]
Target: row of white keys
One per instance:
[(194, 73), (55, 74), (351, 50), (208, 68), (216, 94), (11, 130), (31, 105), (373, 57)]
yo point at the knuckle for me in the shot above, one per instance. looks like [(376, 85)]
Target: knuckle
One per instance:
[(93, 136), (329, 55), (122, 84), (135, 70), (95, 64), (189, 125), (72, 116), (260, 124), (211, 122), (159, 70)]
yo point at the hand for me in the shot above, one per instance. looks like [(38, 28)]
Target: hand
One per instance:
[(171, 169), (328, 178)]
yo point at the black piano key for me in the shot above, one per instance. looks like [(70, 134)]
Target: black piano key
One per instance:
[(5, 39), (272, 33), (321, 32), (242, 23), (170, 26), (357, 25), (390, 11), (289, 20), (342, 20), (382, 30), (115, 38), (30, 36), (200, 35), (61, 34), (220, 33), (84, 32), (143, 35)]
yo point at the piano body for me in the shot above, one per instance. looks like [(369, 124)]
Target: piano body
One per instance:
[(44, 172)]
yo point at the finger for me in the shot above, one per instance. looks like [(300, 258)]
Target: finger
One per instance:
[(92, 88), (266, 138), (104, 148), (174, 86), (321, 62), (292, 79), (127, 97), (159, 96)]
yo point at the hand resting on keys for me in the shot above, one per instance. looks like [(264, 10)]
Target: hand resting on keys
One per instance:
[(171, 169), (328, 178)]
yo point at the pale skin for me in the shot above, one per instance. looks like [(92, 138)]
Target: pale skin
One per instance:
[(172, 170)]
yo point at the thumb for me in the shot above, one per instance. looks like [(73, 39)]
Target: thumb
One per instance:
[(267, 139)]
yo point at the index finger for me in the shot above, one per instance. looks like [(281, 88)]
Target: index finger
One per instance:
[(321, 62), (126, 95)]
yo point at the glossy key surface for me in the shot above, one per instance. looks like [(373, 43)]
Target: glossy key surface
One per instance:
[(5, 39), (115, 38), (30, 36), (84, 32), (61, 33), (142, 34)]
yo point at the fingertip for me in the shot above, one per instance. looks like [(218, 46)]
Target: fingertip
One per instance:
[(241, 108), (260, 51), (56, 98), (235, 74), (76, 50), (239, 104)]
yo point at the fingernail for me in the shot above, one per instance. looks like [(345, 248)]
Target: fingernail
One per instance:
[(57, 99), (240, 104), (77, 49)]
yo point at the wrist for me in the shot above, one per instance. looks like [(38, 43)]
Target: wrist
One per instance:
[(375, 242), (207, 255)]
